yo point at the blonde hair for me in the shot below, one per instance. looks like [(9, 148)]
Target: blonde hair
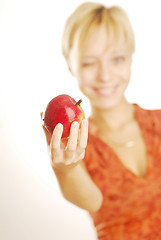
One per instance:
[(89, 16)]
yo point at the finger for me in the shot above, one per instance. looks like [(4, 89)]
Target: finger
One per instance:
[(41, 115), (47, 134), (56, 140), (83, 134), (72, 142)]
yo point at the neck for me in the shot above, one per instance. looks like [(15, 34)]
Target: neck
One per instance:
[(113, 118)]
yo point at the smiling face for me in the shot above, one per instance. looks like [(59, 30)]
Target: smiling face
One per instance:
[(103, 70)]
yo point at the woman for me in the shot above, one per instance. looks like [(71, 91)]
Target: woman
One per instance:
[(115, 174)]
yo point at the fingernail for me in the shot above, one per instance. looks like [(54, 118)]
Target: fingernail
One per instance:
[(85, 122), (75, 124), (59, 125)]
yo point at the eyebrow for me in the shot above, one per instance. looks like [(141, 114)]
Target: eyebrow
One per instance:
[(88, 56), (113, 52)]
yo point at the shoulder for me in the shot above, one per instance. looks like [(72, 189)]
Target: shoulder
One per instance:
[(155, 113), (151, 118)]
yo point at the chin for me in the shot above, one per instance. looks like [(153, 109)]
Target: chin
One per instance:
[(103, 101), (107, 102), (108, 105)]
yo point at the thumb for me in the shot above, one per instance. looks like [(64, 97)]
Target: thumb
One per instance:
[(48, 135)]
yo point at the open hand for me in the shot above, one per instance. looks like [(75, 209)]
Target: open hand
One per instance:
[(67, 153)]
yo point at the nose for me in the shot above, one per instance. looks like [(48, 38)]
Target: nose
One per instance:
[(105, 72)]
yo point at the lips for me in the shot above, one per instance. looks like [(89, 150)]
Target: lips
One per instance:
[(105, 91)]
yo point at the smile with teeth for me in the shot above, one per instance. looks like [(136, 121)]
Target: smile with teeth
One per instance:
[(105, 91)]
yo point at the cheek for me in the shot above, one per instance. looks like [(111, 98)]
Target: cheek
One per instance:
[(126, 74), (85, 83), (126, 77), (86, 77)]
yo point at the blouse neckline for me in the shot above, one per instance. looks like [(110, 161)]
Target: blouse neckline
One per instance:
[(140, 116)]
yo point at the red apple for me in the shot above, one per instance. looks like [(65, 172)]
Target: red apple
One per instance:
[(65, 110)]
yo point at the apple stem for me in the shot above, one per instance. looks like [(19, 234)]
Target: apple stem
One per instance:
[(78, 103)]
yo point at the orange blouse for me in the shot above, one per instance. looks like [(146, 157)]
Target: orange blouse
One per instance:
[(131, 208)]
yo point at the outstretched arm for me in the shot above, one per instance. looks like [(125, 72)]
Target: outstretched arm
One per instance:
[(66, 160)]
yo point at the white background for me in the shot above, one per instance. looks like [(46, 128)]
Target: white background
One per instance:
[(32, 71)]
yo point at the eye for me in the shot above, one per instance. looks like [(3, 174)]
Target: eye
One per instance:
[(88, 64), (119, 59)]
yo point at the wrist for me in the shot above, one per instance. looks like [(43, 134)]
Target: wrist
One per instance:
[(65, 169)]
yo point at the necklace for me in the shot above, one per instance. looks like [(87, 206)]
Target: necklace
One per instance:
[(127, 144)]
